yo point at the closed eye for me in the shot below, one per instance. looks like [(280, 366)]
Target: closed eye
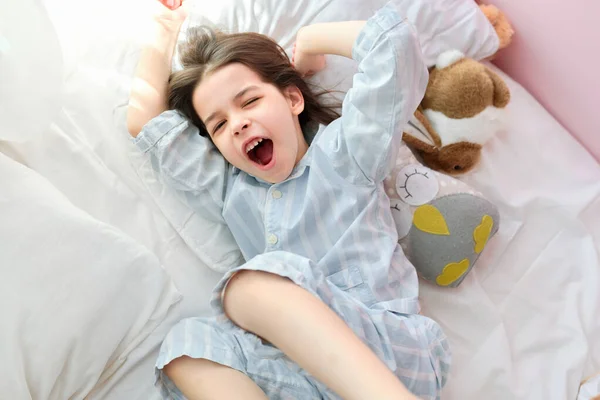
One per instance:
[(218, 126), (251, 101)]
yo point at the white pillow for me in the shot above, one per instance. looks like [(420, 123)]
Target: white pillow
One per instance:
[(27, 88), (442, 25), (64, 277)]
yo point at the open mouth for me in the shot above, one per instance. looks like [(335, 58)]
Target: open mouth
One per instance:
[(261, 151)]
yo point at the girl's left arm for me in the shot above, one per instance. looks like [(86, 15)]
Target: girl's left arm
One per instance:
[(313, 41), (387, 89)]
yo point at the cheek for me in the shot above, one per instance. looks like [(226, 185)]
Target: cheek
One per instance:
[(225, 147), (279, 116)]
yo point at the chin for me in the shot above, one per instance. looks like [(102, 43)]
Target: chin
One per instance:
[(278, 178)]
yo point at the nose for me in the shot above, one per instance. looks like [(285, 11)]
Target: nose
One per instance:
[(240, 125)]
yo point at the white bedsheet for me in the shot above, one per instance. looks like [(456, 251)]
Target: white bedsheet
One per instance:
[(523, 325)]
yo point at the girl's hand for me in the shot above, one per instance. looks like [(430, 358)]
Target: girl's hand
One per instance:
[(313, 41), (171, 4), (170, 14), (307, 64)]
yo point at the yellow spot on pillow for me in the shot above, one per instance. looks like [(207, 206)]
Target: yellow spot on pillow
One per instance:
[(429, 219), (482, 233), (452, 272)]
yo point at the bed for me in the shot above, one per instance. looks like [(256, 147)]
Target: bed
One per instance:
[(523, 324)]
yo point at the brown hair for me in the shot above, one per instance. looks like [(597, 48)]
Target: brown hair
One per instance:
[(207, 50)]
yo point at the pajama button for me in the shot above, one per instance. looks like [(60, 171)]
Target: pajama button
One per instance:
[(276, 194), (272, 239)]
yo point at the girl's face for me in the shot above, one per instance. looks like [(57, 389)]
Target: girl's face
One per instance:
[(253, 124)]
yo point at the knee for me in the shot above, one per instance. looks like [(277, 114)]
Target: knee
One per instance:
[(245, 294)]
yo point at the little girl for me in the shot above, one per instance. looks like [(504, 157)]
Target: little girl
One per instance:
[(325, 306)]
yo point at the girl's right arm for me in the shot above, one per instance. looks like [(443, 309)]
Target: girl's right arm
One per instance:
[(148, 97), (183, 160)]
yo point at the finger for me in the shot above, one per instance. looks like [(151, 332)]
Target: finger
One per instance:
[(167, 3)]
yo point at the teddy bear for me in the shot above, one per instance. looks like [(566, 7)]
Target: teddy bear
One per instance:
[(500, 22), (463, 107)]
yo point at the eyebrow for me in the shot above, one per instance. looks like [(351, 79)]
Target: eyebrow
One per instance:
[(237, 96)]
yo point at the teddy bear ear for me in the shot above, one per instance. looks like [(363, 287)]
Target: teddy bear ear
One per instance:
[(501, 91), (449, 58)]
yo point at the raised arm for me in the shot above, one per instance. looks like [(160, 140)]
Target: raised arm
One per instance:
[(148, 97), (389, 85)]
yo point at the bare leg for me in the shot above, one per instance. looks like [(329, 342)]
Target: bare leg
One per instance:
[(311, 334), (200, 379)]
